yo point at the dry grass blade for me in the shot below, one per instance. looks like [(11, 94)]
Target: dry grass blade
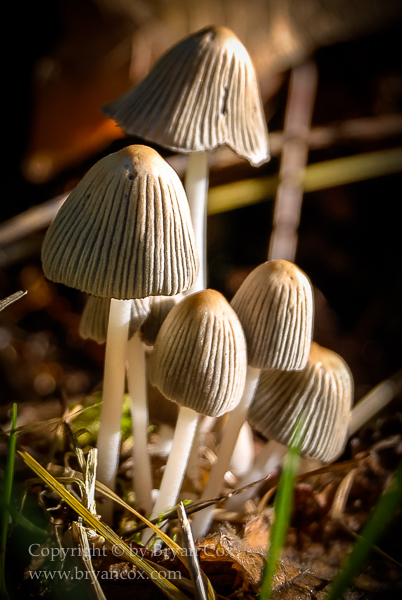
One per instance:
[(170, 590), (90, 480), (56, 421), (178, 550), (338, 508), (10, 299), (341, 496), (79, 532), (194, 566), (75, 477)]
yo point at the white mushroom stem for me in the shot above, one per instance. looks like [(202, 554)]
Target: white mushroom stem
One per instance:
[(237, 416), (112, 402), (243, 453), (176, 465), (196, 186), (137, 388), (269, 458)]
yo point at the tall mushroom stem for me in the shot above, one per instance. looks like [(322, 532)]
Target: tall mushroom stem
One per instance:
[(237, 416), (113, 392), (137, 387), (196, 186), (176, 465)]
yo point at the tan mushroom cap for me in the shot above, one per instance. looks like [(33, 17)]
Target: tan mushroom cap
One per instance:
[(199, 359), (275, 307), (95, 317), (321, 394), (125, 231), (159, 308), (201, 94)]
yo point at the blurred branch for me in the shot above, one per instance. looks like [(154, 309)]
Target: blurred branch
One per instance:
[(289, 195), (318, 176), (234, 195)]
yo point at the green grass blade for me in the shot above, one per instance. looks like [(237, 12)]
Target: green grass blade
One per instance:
[(283, 512), (8, 484), (381, 516)]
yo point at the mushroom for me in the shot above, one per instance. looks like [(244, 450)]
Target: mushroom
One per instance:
[(124, 232), (275, 307), (159, 308), (199, 95), (95, 317), (320, 394), (199, 362)]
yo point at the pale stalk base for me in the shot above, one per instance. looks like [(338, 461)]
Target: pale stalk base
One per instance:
[(202, 520), (112, 402), (137, 387), (269, 458), (176, 464), (196, 186)]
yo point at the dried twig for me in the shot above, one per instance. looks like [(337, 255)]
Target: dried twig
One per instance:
[(193, 564), (303, 85)]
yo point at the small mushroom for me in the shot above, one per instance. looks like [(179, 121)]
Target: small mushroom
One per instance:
[(320, 394), (199, 362), (159, 308)]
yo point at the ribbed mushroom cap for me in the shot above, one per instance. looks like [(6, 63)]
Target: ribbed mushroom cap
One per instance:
[(275, 307), (201, 94), (321, 394), (159, 308), (199, 357), (125, 231), (95, 317)]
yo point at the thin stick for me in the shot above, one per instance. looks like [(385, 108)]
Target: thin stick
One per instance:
[(302, 90), (375, 401), (193, 564)]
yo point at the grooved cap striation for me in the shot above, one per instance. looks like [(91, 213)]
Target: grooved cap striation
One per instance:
[(159, 308), (125, 231), (275, 306), (321, 394), (199, 95), (200, 357)]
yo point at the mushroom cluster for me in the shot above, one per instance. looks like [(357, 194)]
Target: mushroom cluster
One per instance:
[(127, 236)]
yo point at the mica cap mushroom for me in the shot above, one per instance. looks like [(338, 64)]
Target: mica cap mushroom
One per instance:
[(201, 94), (199, 358), (321, 394), (275, 307), (125, 231)]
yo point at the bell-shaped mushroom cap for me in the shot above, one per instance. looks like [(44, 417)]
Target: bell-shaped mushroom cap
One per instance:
[(199, 359), (320, 394), (275, 307), (159, 308), (201, 94), (125, 231), (95, 317)]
